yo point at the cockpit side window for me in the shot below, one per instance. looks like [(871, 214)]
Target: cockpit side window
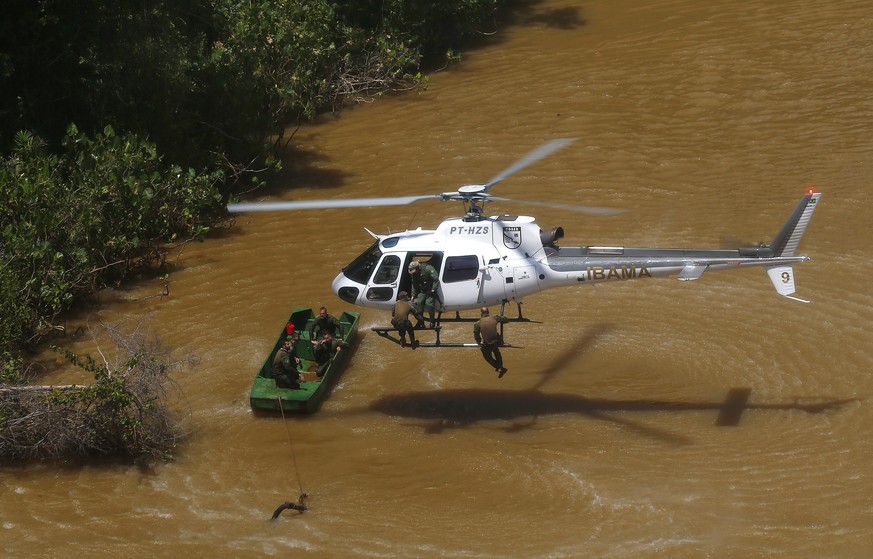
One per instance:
[(362, 267)]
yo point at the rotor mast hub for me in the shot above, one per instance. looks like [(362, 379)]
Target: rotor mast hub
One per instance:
[(472, 190), (473, 197)]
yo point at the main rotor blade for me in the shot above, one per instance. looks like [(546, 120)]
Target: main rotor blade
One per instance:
[(323, 204), (593, 210), (532, 157)]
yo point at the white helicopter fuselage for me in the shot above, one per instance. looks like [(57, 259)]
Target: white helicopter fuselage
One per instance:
[(487, 261)]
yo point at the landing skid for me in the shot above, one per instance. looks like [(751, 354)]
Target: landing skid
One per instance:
[(458, 318), (390, 333)]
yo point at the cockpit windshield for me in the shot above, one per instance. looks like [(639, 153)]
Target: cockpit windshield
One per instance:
[(362, 267)]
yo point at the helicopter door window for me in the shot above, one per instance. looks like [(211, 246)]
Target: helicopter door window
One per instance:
[(388, 270), (461, 268)]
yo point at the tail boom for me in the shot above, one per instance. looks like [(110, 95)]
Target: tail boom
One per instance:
[(589, 264)]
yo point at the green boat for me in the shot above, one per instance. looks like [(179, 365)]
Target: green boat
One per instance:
[(313, 390)]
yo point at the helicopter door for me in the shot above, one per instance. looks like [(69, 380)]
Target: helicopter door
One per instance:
[(383, 287), (461, 281)]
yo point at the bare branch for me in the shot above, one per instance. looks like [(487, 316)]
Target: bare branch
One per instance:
[(125, 411)]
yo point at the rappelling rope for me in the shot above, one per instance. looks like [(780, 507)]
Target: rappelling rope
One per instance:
[(291, 444), (300, 506)]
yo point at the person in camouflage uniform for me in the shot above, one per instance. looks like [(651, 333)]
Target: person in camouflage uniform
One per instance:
[(487, 335), (324, 351), (400, 319), (425, 283), (325, 323), (284, 369)]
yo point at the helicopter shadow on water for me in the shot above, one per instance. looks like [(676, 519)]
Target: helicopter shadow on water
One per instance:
[(454, 409)]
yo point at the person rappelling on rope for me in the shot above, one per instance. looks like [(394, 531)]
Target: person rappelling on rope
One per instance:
[(299, 506)]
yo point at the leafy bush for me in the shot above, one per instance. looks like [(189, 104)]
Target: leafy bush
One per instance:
[(79, 220)]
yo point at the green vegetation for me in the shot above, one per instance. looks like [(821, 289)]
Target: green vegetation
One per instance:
[(83, 218), (126, 126), (207, 80)]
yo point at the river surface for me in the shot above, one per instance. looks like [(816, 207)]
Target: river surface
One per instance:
[(640, 419)]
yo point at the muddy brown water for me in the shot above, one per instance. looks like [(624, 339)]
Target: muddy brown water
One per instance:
[(648, 419)]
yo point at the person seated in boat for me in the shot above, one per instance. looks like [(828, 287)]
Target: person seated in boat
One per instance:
[(400, 319), (294, 339), (325, 323), (284, 369), (324, 351)]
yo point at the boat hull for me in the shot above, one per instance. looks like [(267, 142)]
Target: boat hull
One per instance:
[(266, 396)]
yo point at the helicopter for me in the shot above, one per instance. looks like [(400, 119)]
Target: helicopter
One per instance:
[(486, 260)]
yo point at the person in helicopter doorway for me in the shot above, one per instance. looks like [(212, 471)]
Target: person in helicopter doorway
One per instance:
[(325, 323), (325, 350), (487, 335), (425, 282), (400, 319), (285, 362)]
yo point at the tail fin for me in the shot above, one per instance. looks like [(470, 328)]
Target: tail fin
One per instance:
[(783, 280), (785, 243)]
